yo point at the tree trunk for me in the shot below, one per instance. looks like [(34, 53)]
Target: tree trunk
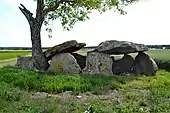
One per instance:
[(38, 58)]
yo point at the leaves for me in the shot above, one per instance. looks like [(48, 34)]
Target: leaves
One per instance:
[(114, 2), (71, 11)]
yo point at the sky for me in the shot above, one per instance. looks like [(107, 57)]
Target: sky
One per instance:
[(146, 22)]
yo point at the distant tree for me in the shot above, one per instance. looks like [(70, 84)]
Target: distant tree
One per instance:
[(69, 12)]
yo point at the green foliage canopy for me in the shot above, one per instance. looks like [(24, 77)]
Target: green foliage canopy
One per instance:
[(71, 11)]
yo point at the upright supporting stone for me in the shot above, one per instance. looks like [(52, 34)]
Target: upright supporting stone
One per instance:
[(64, 63), (145, 65), (81, 60), (98, 64), (123, 65), (24, 62)]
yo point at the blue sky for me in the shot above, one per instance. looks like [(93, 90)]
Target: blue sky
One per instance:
[(147, 21)]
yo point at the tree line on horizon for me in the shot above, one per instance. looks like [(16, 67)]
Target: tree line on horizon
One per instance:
[(87, 47)]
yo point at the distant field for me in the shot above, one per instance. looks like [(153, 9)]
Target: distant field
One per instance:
[(5, 55), (9, 57), (159, 54)]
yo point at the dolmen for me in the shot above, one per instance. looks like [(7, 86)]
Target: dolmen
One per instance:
[(61, 58), (100, 61)]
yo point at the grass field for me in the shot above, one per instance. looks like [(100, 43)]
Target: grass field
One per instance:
[(10, 57), (82, 94), (5, 55), (160, 54), (97, 94)]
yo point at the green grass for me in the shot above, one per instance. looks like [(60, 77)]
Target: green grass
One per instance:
[(52, 83), (15, 100), (135, 94), (160, 54), (5, 55), (10, 57), (9, 62)]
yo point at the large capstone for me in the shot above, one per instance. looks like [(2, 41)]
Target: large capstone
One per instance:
[(120, 47), (145, 65), (98, 64), (24, 62), (66, 47), (64, 63), (123, 65), (81, 60)]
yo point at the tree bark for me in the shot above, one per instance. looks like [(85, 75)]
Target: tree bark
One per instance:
[(38, 58)]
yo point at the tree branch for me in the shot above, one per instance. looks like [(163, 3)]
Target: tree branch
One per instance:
[(27, 13), (49, 8), (39, 10), (57, 4)]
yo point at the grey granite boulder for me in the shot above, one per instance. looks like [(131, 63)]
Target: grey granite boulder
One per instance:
[(123, 65), (24, 62), (145, 65), (64, 63), (98, 64), (66, 47), (120, 47), (81, 60)]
